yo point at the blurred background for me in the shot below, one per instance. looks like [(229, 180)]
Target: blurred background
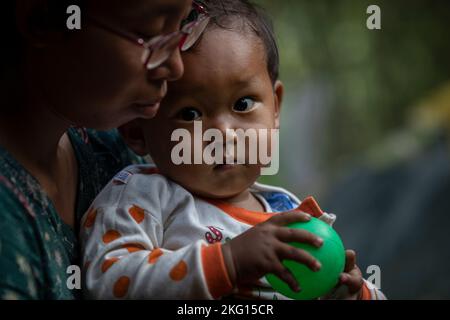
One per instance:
[(366, 128)]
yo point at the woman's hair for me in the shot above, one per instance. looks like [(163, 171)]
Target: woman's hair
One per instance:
[(228, 14), (51, 16), (9, 33)]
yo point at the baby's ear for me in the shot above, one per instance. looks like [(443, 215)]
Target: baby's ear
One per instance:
[(278, 93), (133, 134)]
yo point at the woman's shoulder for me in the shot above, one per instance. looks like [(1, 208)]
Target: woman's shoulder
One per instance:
[(101, 155), (13, 203), (18, 188), (103, 143), (16, 227), (36, 247), (34, 251), (101, 152)]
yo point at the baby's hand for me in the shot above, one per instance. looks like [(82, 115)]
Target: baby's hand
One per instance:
[(261, 249), (351, 277)]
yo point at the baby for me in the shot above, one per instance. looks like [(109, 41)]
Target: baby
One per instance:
[(205, 231)]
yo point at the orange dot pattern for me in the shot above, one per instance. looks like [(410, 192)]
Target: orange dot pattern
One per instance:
[(133, 247), (137, 213), (108, 263), (90, 219), (154, 255), (179, 271), (110, 236), (121, 286)]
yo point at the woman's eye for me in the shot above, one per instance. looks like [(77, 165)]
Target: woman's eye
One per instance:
[(146, 36), (244, 105), (189, 114), (193, 16)]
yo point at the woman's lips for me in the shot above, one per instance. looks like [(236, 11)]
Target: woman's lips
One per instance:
[(147, 110)]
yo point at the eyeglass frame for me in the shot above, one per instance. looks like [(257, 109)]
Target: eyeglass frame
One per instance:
[(156, 42)]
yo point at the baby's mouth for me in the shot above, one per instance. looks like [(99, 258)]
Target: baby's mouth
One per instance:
[(228, 164), (225, 166)]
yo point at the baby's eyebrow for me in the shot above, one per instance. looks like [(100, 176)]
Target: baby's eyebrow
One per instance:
[(245, 81), (174, 8), (171, 9), (249, 81)]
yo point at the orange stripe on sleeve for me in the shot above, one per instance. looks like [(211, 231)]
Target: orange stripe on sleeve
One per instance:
[(365, 293), (309, 205), (215, 271)]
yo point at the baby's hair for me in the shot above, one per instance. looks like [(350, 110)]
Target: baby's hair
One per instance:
[(226, 14)]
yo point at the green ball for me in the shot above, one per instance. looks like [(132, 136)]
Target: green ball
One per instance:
[(331, 255)]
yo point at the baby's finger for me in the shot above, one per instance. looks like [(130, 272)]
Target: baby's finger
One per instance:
[(288, 252), (285, 218), (284, 274), (350, 260), (286, 234), (354, 283)]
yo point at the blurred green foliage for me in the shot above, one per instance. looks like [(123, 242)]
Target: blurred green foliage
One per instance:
[(381, 101), (375, 76)]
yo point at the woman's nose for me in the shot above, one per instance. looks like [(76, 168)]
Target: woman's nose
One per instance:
[(172, 69), (175, 66)]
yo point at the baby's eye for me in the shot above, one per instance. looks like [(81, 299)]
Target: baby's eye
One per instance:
[(189, 114), (244, 105)]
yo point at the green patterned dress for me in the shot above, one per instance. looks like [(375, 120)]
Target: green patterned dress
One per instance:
[(36, 246)]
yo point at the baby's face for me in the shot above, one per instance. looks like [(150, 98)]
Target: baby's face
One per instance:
[(226, 85)]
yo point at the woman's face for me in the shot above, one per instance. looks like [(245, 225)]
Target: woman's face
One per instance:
[(96, 79)]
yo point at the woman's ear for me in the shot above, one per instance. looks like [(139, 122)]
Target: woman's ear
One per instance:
[(278, 92), (134, 136), (34, 23)]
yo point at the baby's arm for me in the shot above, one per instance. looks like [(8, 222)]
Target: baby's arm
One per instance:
[(124, 255), (261, 250)]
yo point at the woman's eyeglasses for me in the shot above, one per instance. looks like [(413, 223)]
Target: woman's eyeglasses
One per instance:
[(158, 49)]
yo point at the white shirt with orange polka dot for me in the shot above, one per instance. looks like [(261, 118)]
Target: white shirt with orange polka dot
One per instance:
[(146, 237)]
